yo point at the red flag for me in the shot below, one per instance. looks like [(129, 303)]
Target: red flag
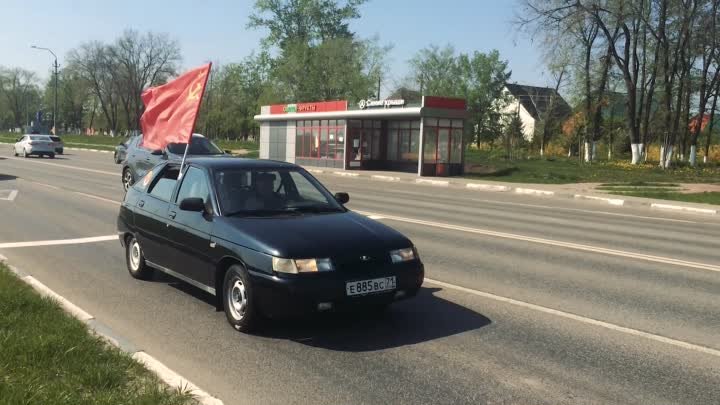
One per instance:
[(171, 109)]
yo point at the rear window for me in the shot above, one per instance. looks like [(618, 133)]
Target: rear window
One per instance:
[(56, 138), (198, 146), (39, 138), (165, 183)]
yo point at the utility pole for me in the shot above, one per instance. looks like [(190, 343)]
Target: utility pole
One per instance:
[(55, 66), (378, 92)]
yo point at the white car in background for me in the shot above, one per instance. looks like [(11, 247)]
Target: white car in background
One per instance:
[(40, 145)]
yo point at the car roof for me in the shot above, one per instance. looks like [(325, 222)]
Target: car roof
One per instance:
[(216, 163)]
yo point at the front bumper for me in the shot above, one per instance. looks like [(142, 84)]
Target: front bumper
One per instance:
[(291, 295)]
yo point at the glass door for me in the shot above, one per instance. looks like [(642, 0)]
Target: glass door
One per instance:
[(355, 149)]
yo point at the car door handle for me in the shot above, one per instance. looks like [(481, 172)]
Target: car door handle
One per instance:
[(141, 203), (172, 214)]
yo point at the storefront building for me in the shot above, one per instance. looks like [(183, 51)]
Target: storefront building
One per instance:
[(426, 138)]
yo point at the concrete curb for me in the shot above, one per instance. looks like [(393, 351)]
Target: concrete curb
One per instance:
[(486, 187), (671, 207), (346, 174), (532, 191), (611, 201), (384, 178), (171, 378), (441, 183)]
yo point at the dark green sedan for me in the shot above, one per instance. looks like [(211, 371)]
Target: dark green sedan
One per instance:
[(265, 238)]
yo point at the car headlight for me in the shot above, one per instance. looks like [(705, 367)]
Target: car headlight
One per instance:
[(295, 266), (402, 255)]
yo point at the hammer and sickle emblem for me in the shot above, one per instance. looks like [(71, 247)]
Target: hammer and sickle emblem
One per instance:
[(194, 91)]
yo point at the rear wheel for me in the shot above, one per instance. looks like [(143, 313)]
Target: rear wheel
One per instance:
[(51, 156), (239, 300), (127, 178), (25, 153), (136, 260)]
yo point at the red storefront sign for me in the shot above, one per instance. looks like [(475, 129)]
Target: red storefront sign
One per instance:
[(320, 106), (445, 103)]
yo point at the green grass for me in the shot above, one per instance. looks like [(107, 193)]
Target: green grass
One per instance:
[(704, 198), (564, 171), (49, 358), (108, 143)]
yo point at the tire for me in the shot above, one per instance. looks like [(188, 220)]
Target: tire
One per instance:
[(239, 300), (136, 260), (115, 158), (25, 154), (51, 156), (15, 152), (127, 178)]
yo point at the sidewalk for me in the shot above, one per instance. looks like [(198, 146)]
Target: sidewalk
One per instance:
[(578, 191)]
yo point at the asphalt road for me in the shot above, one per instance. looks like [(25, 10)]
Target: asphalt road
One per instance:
[(540, 300)]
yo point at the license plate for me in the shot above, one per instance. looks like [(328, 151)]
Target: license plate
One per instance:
[(363, 287)]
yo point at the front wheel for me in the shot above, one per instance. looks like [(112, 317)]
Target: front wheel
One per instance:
[(51, 156), (127, 178), (136, 260), (239, 300)]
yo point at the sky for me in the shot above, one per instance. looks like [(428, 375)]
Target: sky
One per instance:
[(216, 30)]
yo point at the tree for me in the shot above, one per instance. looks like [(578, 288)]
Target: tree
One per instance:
[(478, 77), (21, 94), (138, 62), (309, 21)]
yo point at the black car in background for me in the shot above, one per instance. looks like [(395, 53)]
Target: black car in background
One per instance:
[(121, 149), (139, 160), (59, 145), (265, 238)]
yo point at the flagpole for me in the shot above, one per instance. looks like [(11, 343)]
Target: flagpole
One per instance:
[(182, 164), (197, 111)]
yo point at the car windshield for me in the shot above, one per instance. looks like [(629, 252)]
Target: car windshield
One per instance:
[(39, 138), (198, 146), (266, 192)]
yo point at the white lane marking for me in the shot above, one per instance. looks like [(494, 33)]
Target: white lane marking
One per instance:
[(175, 380), (11, 194), (590, 321), (569, 245), (58, 242), (44, 185), (98, 198), (65, 166), (617, 214)]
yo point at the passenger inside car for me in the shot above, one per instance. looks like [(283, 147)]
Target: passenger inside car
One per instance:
[(264, 196)]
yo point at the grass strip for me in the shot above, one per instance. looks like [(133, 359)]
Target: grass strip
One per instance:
[(47, 357)]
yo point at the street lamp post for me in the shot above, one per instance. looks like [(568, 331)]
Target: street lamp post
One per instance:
[(55, 107)]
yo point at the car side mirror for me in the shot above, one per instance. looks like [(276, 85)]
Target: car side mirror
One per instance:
[(122, 144), (156, 152), (195, 204), (342, 198)]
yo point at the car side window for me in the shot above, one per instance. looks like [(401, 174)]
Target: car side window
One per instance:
[(194, 185), (164, 184)]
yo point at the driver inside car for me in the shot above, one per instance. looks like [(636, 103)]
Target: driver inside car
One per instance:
[(264, 197)]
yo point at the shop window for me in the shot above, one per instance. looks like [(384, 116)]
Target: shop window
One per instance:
[(415, 124), (457, 123), (404, 144), (457, 145), (431, 122), (444, 123), (414, 143), (376, 144), (430, 145), (321, 141), (443, 154), (392, 144)]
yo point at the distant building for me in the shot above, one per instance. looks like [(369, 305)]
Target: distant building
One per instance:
[(532, 104)]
